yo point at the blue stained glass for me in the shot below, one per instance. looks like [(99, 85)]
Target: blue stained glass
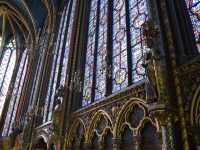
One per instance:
[(68, 42), (194, 12), (119, 66), (89, 70), (63, 29), (101, 52), (138, 15)]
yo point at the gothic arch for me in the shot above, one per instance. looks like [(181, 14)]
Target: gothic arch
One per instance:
[(96, 120), (121, 120), (144, 122), (24, 25), (149, 134), (195, 109), (71, 132)]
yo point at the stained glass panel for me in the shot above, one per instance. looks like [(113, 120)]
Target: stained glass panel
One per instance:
[(67, 17), (120, 65), (126, 16), (89, 65), (138, 15), (67, 44), (6, 70), (101, 51), (194, 12), (67, 28)]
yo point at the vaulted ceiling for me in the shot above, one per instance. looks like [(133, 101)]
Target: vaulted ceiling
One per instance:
[(24, 18)]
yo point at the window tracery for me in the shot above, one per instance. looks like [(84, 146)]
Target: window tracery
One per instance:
[(128, 48)]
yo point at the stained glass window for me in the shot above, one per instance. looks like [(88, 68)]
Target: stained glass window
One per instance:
[(67, 44), (89, 65), (127, 51), (101, 51), (120, 66), (194, 12), (56, 54), (138, 14), (6, 69), (65, 33), (16, 93)]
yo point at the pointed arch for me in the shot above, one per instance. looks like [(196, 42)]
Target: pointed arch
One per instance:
[(72, 129), (124, 112), (94, 122), (150, 137)]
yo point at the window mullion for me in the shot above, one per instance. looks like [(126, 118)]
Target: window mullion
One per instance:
[(109, 49), (95, 53), (129, 54)]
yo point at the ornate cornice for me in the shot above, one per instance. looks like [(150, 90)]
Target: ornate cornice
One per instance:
[(132, 91)]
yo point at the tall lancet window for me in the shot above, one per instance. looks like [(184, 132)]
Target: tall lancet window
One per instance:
[(138, 15), (95, 66), (119, 64), (7, 64), (61, 52), (16, 93), (194, 12)]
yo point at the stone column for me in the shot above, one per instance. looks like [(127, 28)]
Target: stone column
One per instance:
[(164, 116)]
